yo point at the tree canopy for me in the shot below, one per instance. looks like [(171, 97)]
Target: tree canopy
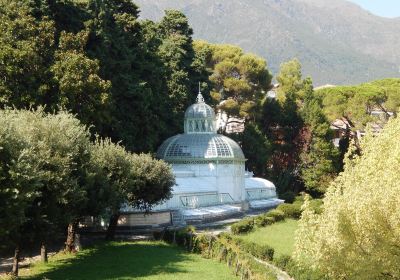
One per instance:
[(357, 235), (52, 176), (128, 79), (239, 80), (355, 103), (43, 163)]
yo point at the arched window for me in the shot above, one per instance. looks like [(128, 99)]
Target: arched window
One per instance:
[(203, 126)]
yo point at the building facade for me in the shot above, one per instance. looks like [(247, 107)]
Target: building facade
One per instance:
[(211, 180)]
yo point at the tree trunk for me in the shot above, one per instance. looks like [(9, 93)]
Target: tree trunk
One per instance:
[(15, 262), (70, 243), (43, 252), (112, 226)]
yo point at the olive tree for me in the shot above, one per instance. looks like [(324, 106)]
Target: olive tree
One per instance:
[(136, 180), (43, 159), (19, 180)]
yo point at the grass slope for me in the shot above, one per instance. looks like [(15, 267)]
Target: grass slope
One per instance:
[(139, 260), (279, 236)]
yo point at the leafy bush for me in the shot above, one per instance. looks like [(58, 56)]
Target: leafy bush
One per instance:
[(316, 205), (263, 252), (184, 237), (202, 244), (264, 220), (290, 210), (283, 262), (277, 215), (244, 226), (289, 265)]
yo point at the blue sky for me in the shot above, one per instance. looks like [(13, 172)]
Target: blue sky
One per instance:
[(385, 8)]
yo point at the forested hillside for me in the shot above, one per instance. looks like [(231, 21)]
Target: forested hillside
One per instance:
[(336, 41)]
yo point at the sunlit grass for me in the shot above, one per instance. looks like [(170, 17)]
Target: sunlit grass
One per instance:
[(139, 260), (279, 236)]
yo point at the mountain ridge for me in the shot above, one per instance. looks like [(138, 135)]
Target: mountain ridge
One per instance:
[(336, 41)]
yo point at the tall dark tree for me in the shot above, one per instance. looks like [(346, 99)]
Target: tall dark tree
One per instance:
[(80, 89), (256, 148), (116, 40), (239, 80), (26, 47), (177, 55), (283, 124), (319, 159)]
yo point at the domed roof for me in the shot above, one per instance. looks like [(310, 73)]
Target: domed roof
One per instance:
[(200, 140), (199, 109), (199, 146)]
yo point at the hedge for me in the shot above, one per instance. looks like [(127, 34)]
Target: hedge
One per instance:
[(247, 225), (283, 211), (276, 214), (264, 220), (262, 252), (243, 226), (290, 210)]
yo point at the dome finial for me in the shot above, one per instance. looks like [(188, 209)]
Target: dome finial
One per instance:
[(200, 98)]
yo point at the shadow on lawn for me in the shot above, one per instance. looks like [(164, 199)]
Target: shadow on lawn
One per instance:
[(119, 260)]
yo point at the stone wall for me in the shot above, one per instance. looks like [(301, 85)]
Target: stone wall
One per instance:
[(140, 219)]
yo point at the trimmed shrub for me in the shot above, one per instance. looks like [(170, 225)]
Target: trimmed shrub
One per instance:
[(264, 220), (202, 244), (290, 210), (263, 252), (243, 226), (277, 215), (184, 237)]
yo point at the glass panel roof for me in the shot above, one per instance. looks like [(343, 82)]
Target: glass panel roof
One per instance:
[(199, 146), (200, 140), (199, 110)]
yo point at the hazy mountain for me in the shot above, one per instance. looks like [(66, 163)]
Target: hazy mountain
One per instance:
[(336, 41)]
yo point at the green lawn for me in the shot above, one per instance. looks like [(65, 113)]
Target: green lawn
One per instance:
[(279, 236), (138, 260)]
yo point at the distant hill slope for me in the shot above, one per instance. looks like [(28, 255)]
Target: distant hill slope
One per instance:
[(336, 41)]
